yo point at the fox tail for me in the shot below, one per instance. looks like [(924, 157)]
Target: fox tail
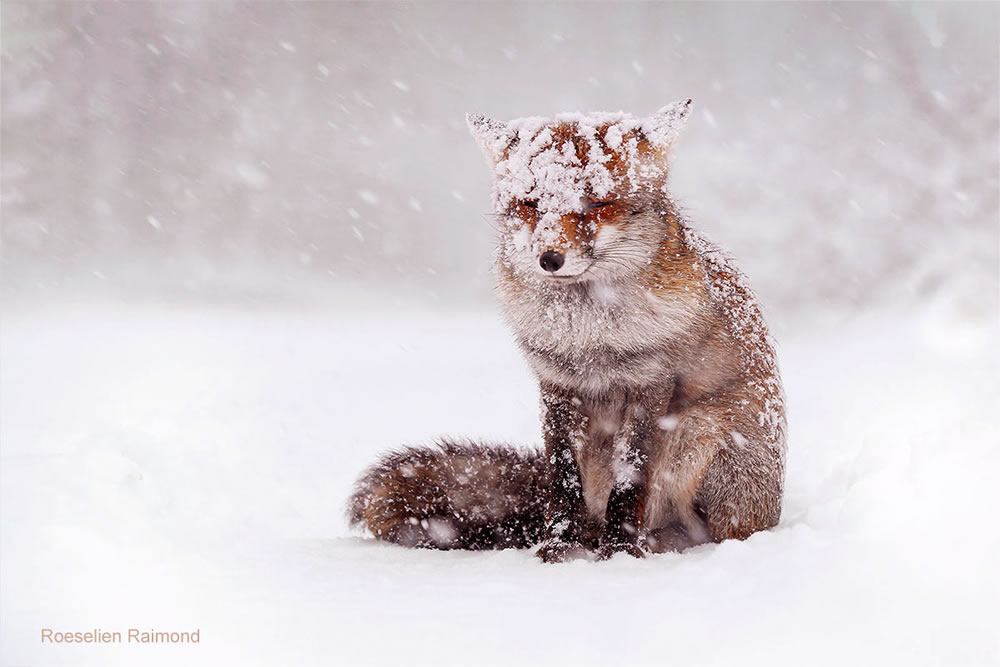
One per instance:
[(454, 495)]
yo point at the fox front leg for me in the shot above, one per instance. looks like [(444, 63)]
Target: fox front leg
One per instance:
[(564, 430), (627, 501)]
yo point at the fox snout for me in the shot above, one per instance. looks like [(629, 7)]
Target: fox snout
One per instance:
[(560, 259), (560, 245)]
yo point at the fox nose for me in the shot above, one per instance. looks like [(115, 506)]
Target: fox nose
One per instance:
[(551, 260)]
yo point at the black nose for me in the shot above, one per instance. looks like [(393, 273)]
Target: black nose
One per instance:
[(551, 260)]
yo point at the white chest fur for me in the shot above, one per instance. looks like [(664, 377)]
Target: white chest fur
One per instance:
[(595, 335)]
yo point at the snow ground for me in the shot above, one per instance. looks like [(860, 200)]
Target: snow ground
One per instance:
[(181, 467)]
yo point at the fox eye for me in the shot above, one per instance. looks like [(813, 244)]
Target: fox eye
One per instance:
[(598, 204), (529, 204)]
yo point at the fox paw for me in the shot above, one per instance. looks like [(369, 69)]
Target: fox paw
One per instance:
[(558, 551), (609, 549)]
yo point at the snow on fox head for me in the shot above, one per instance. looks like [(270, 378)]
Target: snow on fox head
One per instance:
[(576, 195)]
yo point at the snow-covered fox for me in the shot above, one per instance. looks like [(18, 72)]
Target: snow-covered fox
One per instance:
[(663, 412)]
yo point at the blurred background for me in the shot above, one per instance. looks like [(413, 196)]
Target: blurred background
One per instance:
[(846, 154)]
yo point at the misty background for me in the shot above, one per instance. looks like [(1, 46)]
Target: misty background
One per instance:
[(846, 154)]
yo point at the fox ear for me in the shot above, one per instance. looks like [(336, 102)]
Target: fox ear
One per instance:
[(493, 136), (663, 127)]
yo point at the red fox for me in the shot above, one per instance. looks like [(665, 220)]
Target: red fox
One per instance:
[(663, 411)]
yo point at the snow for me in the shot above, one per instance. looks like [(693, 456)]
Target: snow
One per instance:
[(368, 197), (533, 160), (182, 467)]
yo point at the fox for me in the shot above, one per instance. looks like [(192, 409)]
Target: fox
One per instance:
[(663, 412)]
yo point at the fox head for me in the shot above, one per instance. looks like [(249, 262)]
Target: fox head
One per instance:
[(580, 196)]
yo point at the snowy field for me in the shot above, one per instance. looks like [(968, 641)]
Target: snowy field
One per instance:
[(186, 467)]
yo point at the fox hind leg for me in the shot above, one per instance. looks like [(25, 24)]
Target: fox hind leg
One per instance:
[(741, 492), (708, 485)]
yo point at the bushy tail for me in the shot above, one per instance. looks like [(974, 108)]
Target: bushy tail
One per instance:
[(453, 496)]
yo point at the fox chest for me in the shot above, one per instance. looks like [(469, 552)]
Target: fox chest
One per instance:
[(596, 340)]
